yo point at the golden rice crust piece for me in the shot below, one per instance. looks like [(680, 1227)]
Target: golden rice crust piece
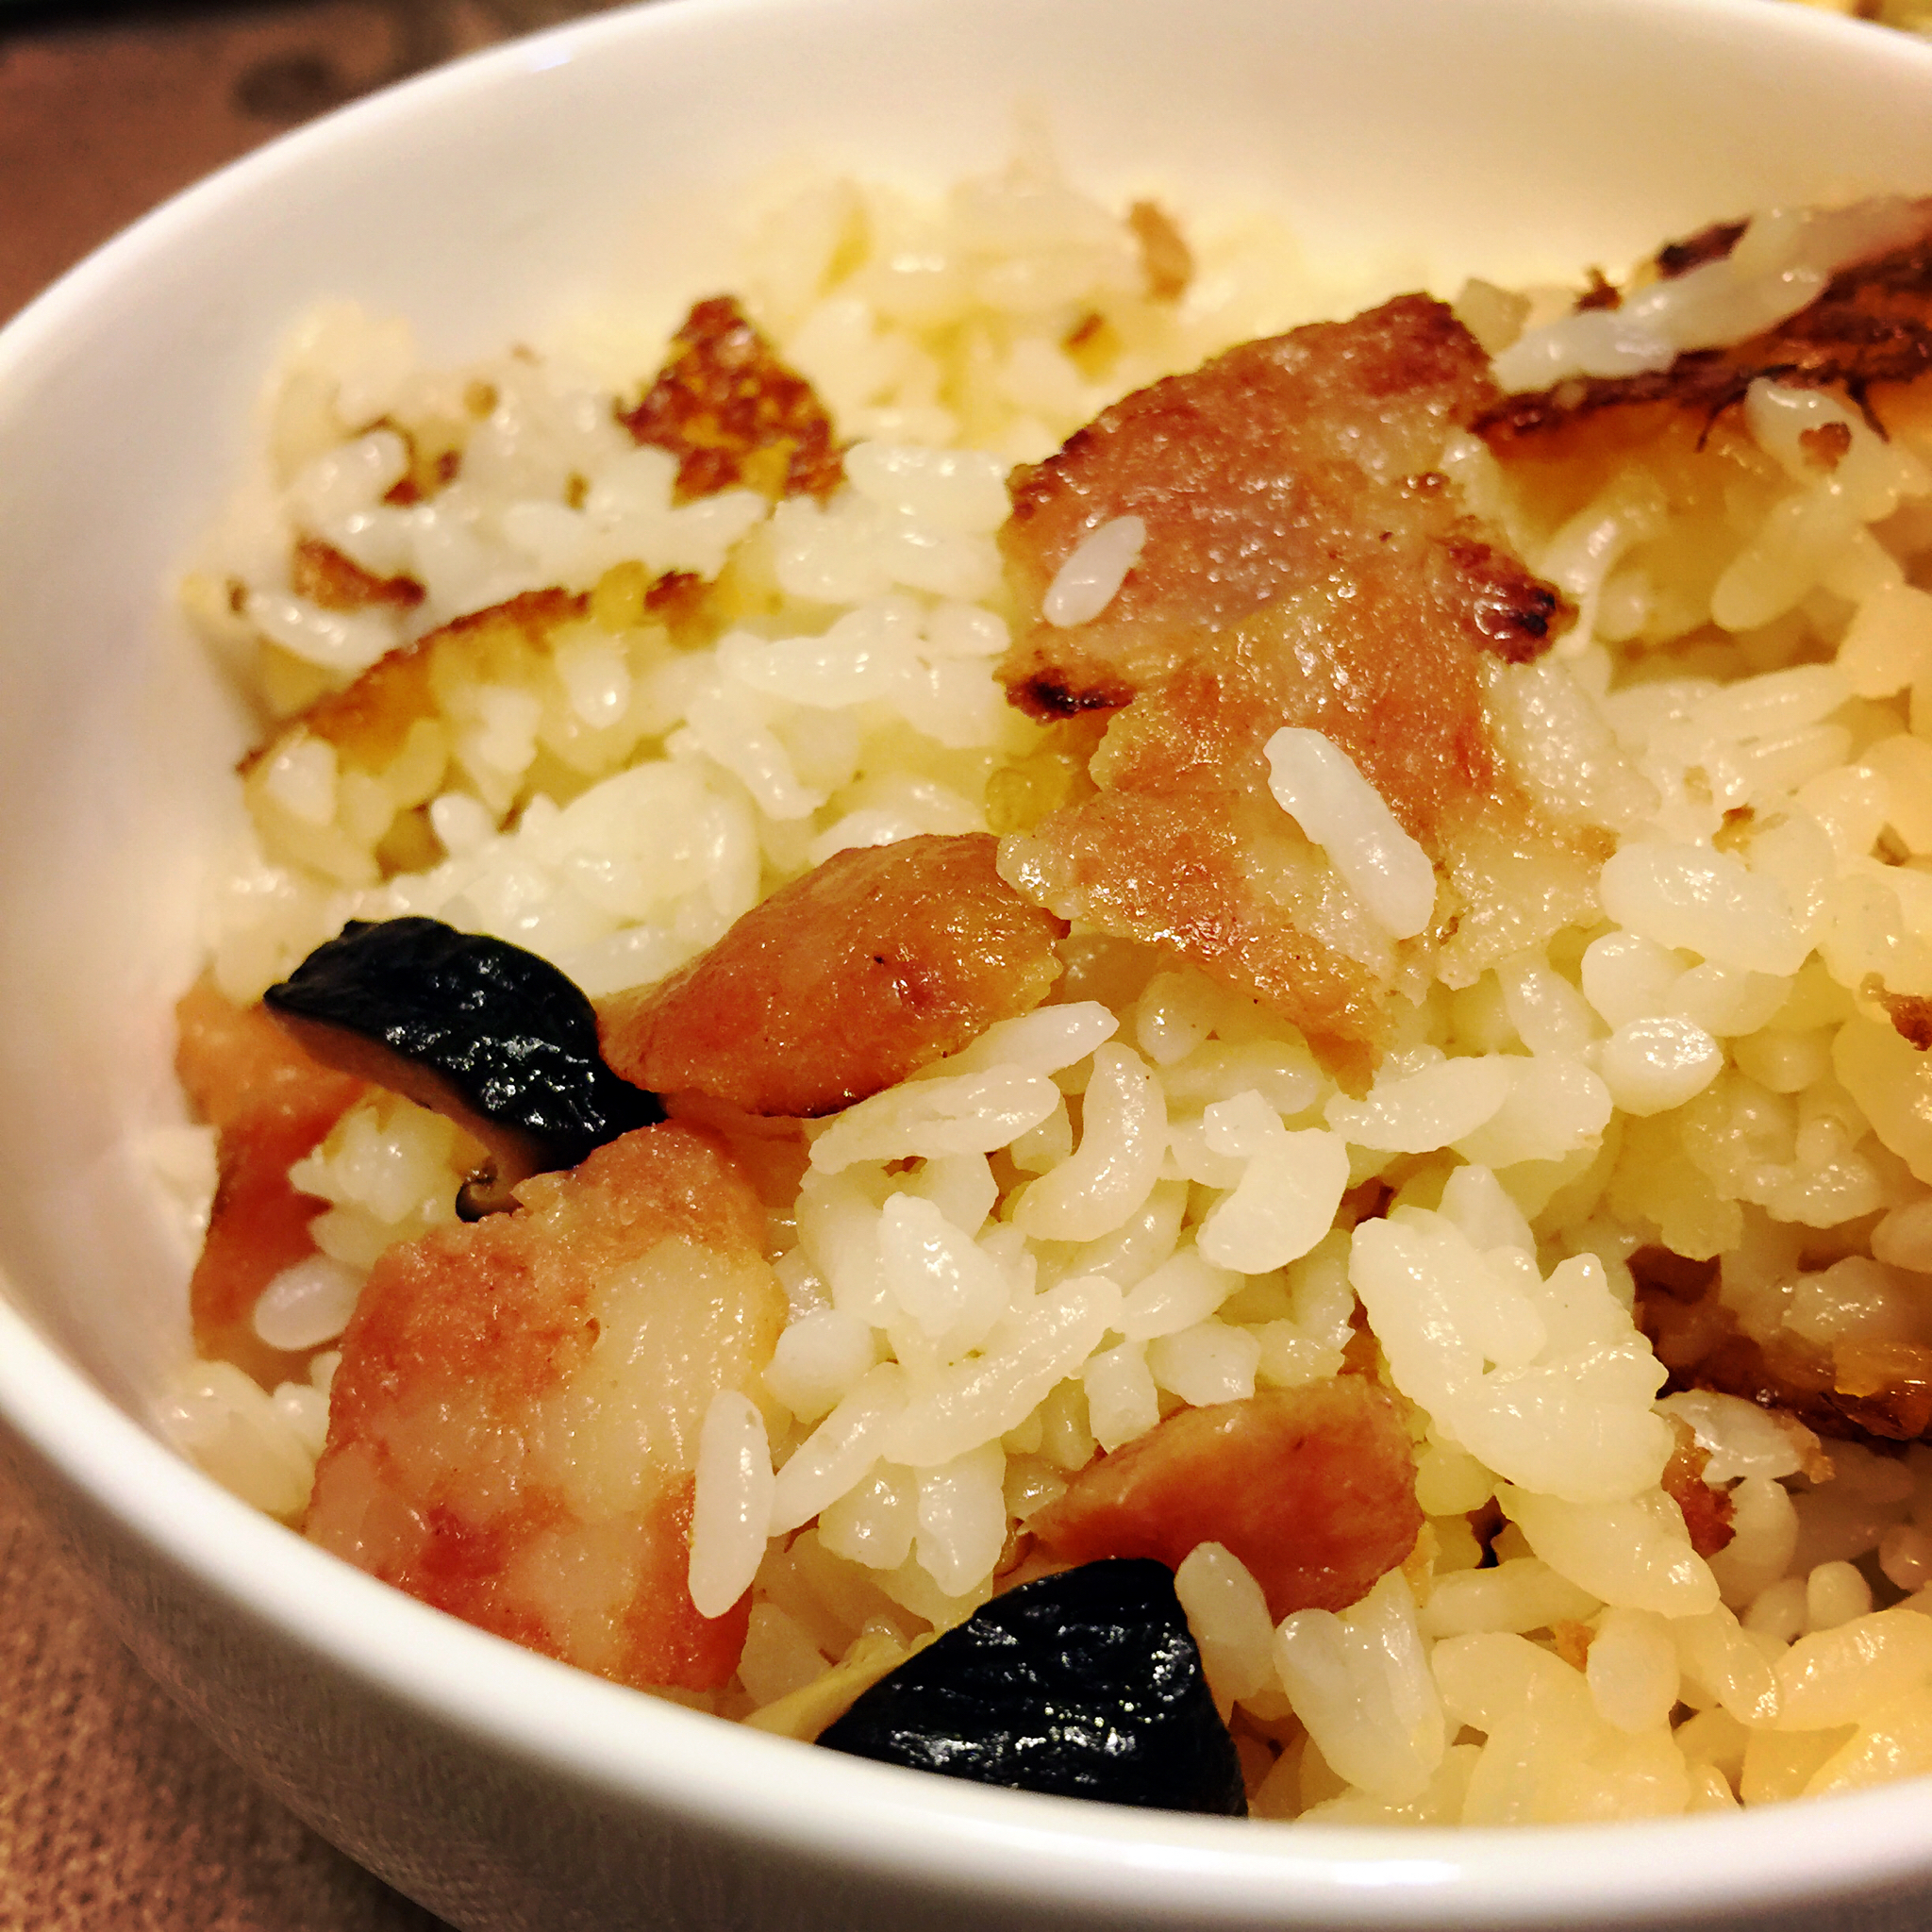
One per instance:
[(368, 720), (514, 1428), (1305, 564), (880, 960), (1313, 1489), (731, 412), (270, 1106), (321, 573), (397, 731), (1869, 330)]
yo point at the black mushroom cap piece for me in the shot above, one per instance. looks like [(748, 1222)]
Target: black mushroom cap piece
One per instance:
[(476, 1029), (1084, 1685)]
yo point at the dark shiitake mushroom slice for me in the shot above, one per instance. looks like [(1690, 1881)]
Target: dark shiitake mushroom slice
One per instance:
[(1086, 1683), (476, 1029)]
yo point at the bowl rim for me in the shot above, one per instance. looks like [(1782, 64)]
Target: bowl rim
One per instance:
[(930, 1832), (907, 1826)]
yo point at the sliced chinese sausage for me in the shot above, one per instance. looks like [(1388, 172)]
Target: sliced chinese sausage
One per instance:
[(270, 1105), (884, 959), (1305, 564), (514, 1426), (1086, 1685), (1313, 1489), (473, 1027)]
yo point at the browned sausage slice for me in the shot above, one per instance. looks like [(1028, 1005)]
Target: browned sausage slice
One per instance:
[(1313, 1489), (842, 983)]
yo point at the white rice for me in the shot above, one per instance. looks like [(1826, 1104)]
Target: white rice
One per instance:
[(733, 1507), (1095, 568), (1137, 1197), (1320, 786)]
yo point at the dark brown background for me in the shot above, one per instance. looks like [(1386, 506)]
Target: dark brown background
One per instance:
[(116, 1815), (106, 109)]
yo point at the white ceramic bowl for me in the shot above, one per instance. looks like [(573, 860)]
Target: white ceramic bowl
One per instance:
[(1507, 136)]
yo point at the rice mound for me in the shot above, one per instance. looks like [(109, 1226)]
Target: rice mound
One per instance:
[(1149, 1193)]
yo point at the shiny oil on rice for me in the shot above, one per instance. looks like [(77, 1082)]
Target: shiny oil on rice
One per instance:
[(1149, 1193)]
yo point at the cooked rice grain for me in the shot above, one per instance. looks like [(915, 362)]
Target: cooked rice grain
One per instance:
[(1149, 1193)]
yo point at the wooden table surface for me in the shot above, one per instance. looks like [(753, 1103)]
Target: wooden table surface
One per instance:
[(116, 1814), (106, 108)]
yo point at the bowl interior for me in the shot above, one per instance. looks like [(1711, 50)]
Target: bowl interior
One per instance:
[(1500, 137)]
